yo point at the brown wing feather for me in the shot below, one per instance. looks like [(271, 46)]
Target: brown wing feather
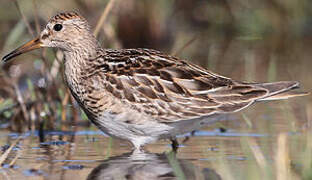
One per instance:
[(169, 90)]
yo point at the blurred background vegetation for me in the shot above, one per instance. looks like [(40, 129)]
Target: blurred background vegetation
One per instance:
[(252, 40)]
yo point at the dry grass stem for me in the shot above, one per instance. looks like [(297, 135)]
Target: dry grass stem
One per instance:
[(309, 115), (7, 152), (188, 43), (32, 118), (103, 17), (19, 153), (257, 154), (223, 168), (36, 17), (111, 35), (24, 19), (282, 159), (21, 102), (64, 103)]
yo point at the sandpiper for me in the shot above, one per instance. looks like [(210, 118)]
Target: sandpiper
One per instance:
[(143, 95)]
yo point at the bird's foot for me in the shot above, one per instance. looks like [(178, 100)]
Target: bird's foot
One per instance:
[(174, 144), (187, 138)]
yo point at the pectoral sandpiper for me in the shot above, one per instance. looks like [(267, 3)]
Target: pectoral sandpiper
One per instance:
[(142, 95)]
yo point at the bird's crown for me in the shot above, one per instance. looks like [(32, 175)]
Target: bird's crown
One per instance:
[(66, 16)]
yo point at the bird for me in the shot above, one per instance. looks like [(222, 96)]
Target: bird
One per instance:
[(143, 95)]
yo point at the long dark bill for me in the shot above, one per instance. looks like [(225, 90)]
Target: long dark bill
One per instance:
[(31, 45)]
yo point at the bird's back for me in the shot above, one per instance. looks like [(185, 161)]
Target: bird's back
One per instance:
[(167, 89)]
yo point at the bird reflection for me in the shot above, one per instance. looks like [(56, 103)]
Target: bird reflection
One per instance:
[(141, 165)]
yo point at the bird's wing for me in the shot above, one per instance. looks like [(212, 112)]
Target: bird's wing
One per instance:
[(169, 89)]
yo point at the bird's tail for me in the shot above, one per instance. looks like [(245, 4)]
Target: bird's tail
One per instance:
[(281, 90)]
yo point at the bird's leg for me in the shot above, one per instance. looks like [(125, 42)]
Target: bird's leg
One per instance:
[(188, 137), (174, 144)]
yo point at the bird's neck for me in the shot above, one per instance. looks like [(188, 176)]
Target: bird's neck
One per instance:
[(82, 50), (77, 62)]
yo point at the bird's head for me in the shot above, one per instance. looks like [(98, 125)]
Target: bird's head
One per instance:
[(67, 31)]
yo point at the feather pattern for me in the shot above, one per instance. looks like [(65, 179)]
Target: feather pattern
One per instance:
[(167, 89)]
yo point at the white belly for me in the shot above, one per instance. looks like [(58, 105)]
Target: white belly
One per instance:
[(140, 133)]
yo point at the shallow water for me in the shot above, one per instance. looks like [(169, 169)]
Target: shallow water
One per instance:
[(209, 153), (79, 154)]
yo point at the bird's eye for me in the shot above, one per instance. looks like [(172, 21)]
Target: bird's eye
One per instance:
[(57, 27)]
